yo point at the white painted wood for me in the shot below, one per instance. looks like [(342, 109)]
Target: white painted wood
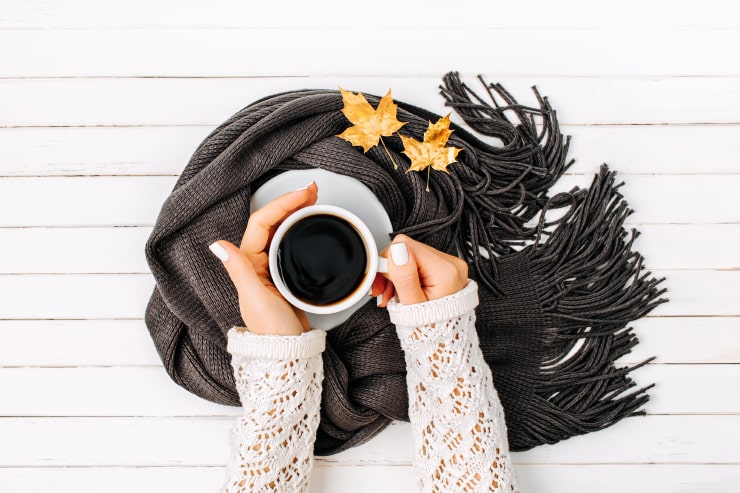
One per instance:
[(632, 149), (57, 250), (138, 441), (210, 101), (85, 342), (137, 200), (75, 296), (239, 52), (92, 201), (695, 293), (98, 150), (148, 391), (689, 246), (651, 88), (687, 340), (580, 14), (331, 478), (90, 296), (617, 478), (67, 250), (115, 343)]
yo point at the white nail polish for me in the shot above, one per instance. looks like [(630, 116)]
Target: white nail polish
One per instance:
[(219, 251), (399, 253), (379, 299), (370, 292), (302, 188)]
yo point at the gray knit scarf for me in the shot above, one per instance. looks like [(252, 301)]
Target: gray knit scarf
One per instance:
[(546, 286)]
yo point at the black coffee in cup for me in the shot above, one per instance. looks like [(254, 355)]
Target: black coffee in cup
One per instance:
[(322, 259)]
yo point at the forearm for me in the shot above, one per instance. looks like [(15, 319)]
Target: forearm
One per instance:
[(457, 419), (279, 383)]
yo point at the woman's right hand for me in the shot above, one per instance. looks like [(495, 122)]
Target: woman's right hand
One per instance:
[(418, 272)]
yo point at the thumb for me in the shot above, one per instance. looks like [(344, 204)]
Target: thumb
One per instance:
[(404, 273), (240, 269)]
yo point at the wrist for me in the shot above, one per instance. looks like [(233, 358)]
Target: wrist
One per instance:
[(436, 310)]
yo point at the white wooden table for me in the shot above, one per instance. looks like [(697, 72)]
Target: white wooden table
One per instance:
[(102, 103)]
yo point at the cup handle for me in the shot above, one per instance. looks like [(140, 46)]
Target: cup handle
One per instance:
[(382, 265)]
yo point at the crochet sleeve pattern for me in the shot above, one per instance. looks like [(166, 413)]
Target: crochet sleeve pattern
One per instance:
[(279, 380), (458, 425)]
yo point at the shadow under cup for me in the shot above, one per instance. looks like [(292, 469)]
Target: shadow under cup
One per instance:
[(323, 259)]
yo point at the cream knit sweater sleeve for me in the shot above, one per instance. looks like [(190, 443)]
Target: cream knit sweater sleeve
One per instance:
[(457, 420), (278, 379), (456, 417)]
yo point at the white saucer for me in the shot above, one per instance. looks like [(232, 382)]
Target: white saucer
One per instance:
[(335, 189)]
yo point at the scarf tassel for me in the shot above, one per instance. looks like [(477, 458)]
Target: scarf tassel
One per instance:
[(505, 186), (593, 285)]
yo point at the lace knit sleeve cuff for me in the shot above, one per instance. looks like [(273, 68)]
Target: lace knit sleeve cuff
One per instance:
[(246, 344), (428, 312)]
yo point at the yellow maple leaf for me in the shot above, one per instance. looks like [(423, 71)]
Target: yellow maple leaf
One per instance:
[(431, 153), (369, 124)]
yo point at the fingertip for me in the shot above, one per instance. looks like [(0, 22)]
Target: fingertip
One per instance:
[(311, 192), (220, 250), (310, 189), (402, 238), (378, 285), (399, 253), (386, 295)]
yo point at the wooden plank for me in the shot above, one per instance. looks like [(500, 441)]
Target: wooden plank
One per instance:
[(27, 249), (674, 340), (86, 296), (137, 200), (617, 478), (240, 52), (689, 246), (98, 150), (148, 391), (697, 293), (632, 149), (324, 479), (67, 250), (333, 478), (129, 391), (204, 442), (95, 201), (92, 296), (334, 13), (209, 101), (687, 340), (85, 343)]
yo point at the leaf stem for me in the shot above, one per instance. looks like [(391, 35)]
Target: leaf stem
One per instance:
[(389, 153), (429, 170)]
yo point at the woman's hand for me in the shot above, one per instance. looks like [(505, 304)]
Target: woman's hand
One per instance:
[(262, 307), (418, 272)]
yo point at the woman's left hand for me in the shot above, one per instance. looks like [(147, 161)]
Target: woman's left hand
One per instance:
[(262, 307)]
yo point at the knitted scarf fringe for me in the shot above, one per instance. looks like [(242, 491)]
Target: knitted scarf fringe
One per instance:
[(593, 284), (589, 278), (504, 186)]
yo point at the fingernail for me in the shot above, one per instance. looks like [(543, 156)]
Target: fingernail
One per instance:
[(399, 253), (302, 188), (370, 292), (219, 251), (379, 299)]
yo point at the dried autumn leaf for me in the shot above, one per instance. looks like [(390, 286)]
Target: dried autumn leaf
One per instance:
[(431, 153), (438, 133), (369, 124)]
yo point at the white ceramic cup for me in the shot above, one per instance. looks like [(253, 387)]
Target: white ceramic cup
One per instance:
[(375, 263)]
